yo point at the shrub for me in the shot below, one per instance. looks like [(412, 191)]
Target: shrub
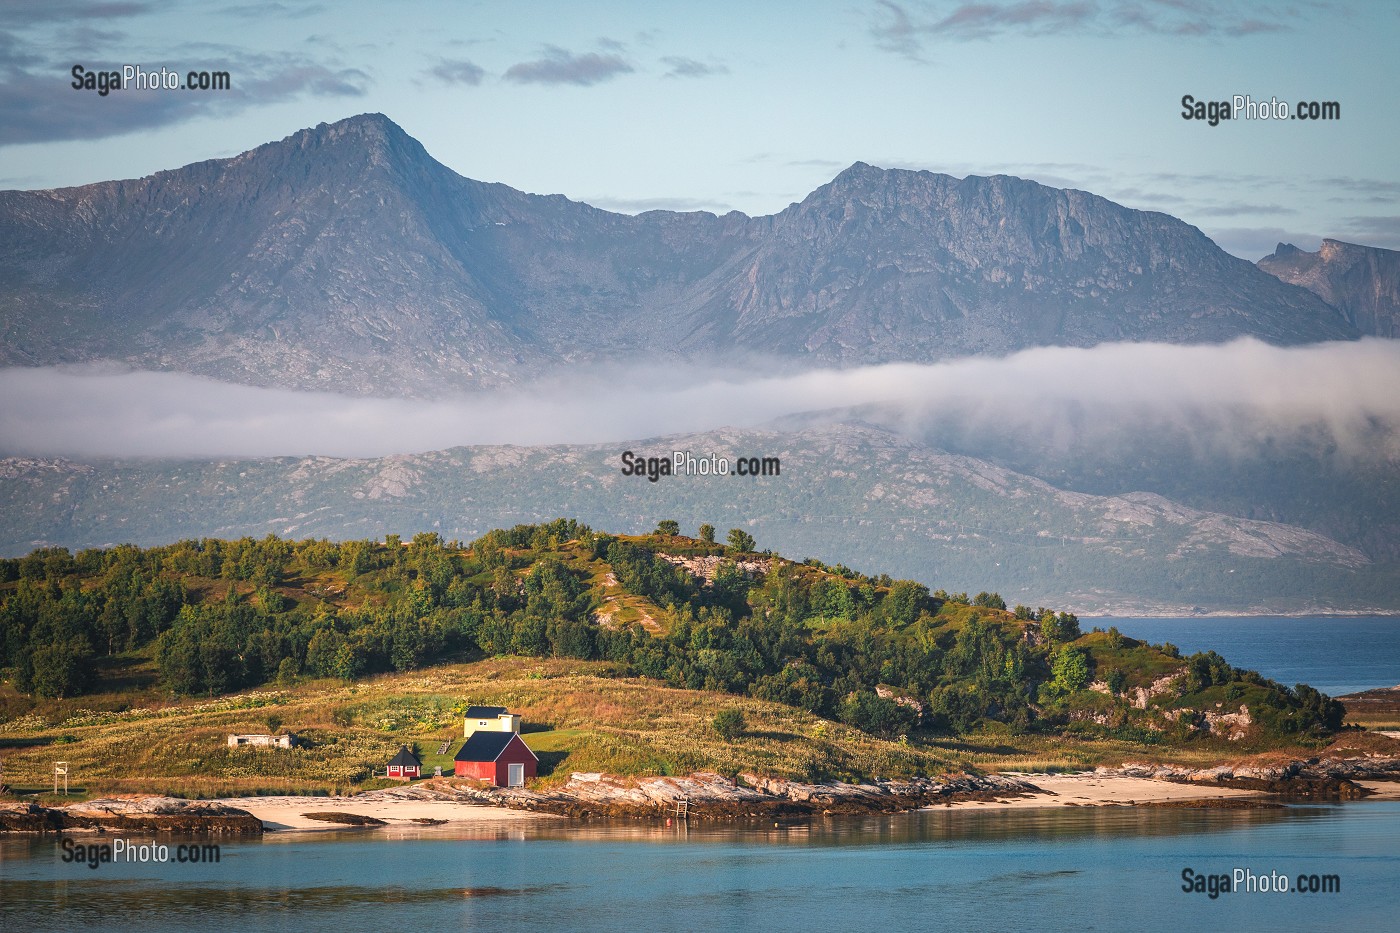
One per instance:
[(741, 540), (729, 723)]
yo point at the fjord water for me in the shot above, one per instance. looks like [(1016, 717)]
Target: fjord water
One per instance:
[(1092, 869), (1337, 655)]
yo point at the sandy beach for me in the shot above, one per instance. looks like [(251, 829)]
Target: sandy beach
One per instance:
[(1107, 790), (286, 813), (1382, 790), (280, 814), (1102, 790)]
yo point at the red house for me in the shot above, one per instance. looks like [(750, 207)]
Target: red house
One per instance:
[(405, 765), (502, 758)]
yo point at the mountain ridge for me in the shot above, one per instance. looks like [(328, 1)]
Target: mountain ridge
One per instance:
[(345, 257), (1363, 282), (948, 520)]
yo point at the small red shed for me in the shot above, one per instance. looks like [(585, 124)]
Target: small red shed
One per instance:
[(502, 758), (405, 765)]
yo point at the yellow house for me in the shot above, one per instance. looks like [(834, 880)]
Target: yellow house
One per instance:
[(489, 719)]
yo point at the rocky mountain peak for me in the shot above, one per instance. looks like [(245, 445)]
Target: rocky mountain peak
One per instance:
[(1283, 251), (366, 142), (1361, 282), (344, 256), (372, 131)]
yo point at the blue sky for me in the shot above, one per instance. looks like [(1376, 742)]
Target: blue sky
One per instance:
[(719, 106)]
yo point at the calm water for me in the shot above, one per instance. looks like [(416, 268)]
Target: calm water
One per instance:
[(1104, 869), (1336, 656), (1092, 869)]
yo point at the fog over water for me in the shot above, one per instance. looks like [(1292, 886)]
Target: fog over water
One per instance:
[(1233, 396)]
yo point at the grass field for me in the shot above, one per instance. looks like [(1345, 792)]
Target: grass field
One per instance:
[(578, 716)]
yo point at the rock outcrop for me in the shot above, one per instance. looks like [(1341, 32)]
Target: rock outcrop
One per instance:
[(1362, 282), (711, 796), (138, 814), (1328, 777)]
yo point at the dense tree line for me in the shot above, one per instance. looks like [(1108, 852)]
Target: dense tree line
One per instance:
[(873, 652)]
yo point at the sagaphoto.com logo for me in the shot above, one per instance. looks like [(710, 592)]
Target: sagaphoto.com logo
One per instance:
[(138, 78), (133, 852), (1245, 107)]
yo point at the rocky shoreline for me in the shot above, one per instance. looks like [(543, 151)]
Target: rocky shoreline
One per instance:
[(713, 797), (710, 796), (1323, 778), (145, 815)]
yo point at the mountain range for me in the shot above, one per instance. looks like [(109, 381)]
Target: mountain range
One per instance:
[(345, 257), (948, 520)]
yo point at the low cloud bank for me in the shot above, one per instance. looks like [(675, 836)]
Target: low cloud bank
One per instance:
[(1242, 393)]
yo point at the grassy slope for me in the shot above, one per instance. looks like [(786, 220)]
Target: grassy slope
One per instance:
[(580, 718)]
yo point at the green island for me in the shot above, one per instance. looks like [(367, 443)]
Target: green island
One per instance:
[(660, 654)]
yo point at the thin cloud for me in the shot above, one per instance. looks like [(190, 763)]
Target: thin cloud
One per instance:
[(268, 10), (1369, 190), (560, 66), (690, 68), (894, 31), (459, 71), (1383, 231), (309, 78), (1250, 27), (1240, 208), (19, 15), (1033, 17), (903, 29), (1235, 394), (1135, 197), (16, 53)]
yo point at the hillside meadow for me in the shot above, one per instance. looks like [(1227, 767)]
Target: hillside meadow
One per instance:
[(578, 716)]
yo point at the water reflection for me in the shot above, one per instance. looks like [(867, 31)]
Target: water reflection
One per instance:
[(937, 825), (964, 869)]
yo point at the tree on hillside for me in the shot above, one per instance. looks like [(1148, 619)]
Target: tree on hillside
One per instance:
[(62, 668), (729, 723), (1071, 670), (869, 712), (989, 600), (905, 600), (707, 534), (1061, 627), (1321, 708), (741, 540), (667, 527)]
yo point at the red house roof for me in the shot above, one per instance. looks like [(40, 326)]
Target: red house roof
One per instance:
[(405, 759), (488, 746)]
